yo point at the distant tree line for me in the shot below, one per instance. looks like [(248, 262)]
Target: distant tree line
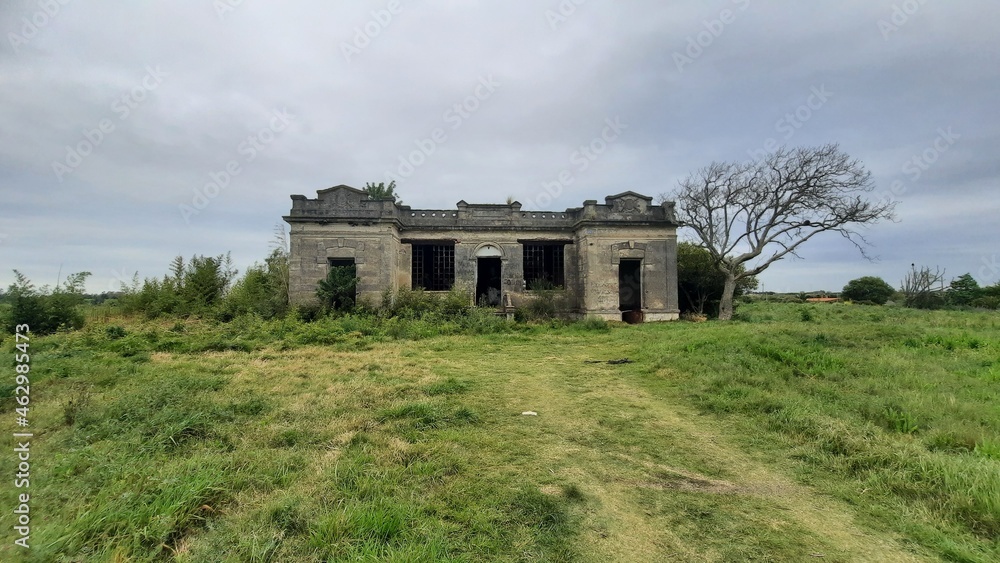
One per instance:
[(201, 286), (924, 288)]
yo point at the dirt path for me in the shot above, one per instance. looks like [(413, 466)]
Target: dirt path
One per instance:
[(581, 408)]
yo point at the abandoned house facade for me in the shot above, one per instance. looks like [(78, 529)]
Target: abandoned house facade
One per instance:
[(613, 260)]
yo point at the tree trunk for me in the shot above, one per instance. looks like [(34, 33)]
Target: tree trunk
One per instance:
[(726, 304), (702, 299)]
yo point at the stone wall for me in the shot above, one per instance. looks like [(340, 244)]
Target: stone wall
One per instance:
[(605, 248), (374, 249), (342, 223)]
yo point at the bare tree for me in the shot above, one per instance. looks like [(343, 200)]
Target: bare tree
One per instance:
[(919, 287), (756, 213)]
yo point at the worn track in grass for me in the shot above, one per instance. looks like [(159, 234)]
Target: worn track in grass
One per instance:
[(581, 406)]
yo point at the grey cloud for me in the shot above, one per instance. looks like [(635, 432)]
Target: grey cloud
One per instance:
[(354, 119)]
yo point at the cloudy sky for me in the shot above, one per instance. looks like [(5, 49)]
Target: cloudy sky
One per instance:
[(135, 132)]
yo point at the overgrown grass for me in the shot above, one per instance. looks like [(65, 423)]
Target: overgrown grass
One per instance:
[(851, 433), (893, 410)]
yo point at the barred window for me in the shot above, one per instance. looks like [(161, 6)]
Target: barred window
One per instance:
[(543, 265), (433, 266)]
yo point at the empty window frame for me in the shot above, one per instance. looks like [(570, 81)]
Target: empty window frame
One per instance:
[(433, 266), (340, 262), (543, 265)]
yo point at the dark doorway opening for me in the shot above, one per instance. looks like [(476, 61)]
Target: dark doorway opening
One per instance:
[(629, 286), (488, 282), (340, 288)]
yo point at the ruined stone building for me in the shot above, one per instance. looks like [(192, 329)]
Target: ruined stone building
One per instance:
[(607, 260)]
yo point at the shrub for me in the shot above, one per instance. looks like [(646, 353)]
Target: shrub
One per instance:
[(407, 303), (195, 288), (153, 298), (205, 281), (455, 303), (417, 304), (484, 321), (263, 290), (986, 303), (309, 312), (700, 283), (115, 332), (868, 289), (43, 311), (963, 290), (547, 302), (339, 290)]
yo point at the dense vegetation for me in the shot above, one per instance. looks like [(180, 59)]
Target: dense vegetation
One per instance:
[(868, 289), (700, 283), (797, 431), (210, 288), (44, 310)]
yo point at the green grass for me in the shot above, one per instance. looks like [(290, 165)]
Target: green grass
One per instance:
[(797, 431)]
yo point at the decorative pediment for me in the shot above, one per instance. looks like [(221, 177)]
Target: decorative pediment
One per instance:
[(628, 203), (342, 197), (340, 188)]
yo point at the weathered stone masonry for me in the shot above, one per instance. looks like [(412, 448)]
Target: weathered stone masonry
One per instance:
[(607, 258)]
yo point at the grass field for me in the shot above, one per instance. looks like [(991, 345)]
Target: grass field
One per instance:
[(797, 433)]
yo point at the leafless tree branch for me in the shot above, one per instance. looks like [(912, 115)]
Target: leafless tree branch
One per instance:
[(759, 212)]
